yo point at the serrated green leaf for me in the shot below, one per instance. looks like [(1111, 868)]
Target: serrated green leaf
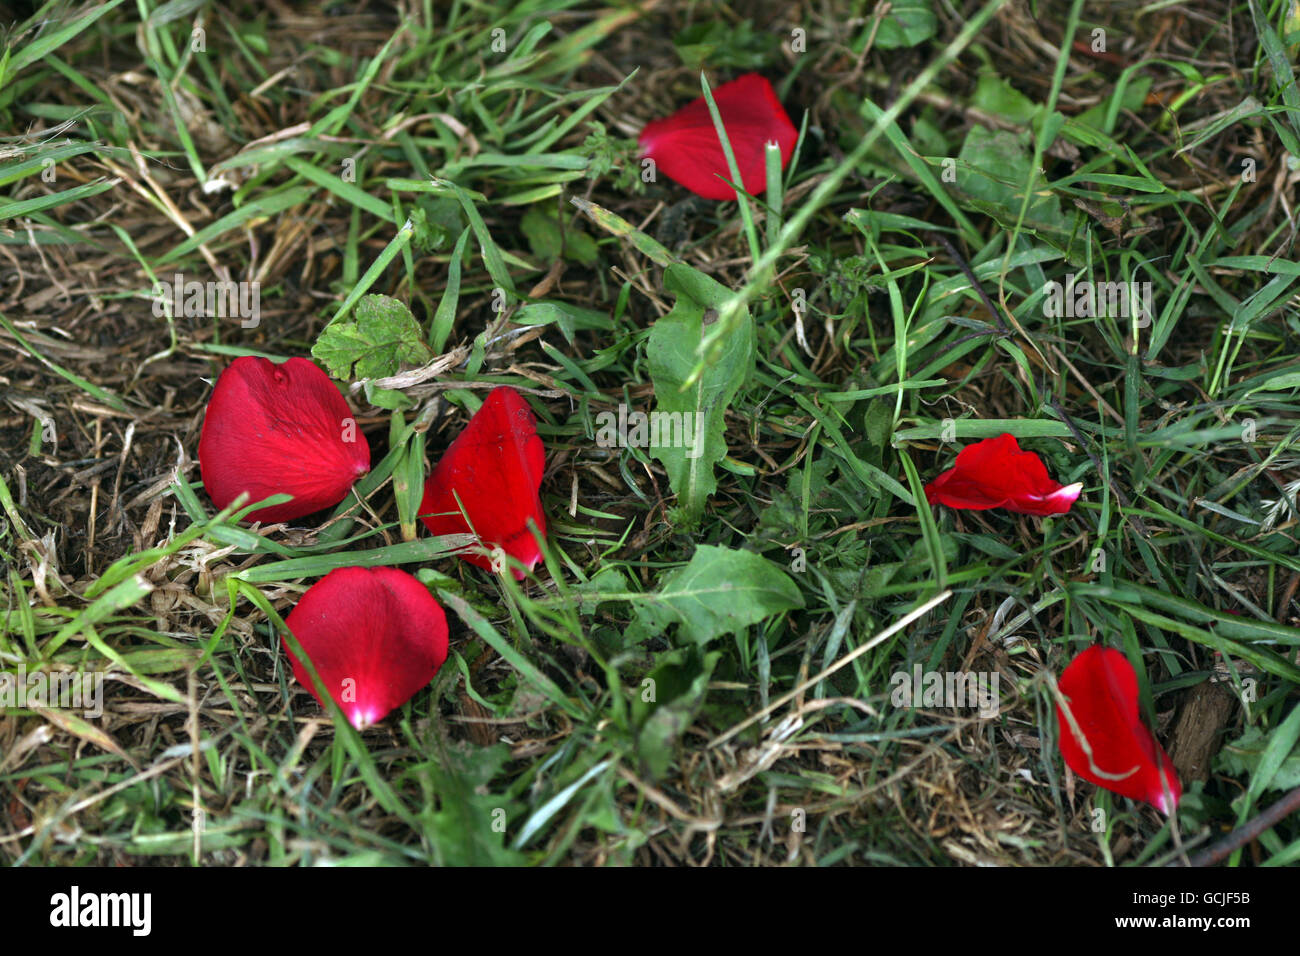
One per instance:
[(469, 824), (701, 409), (993, 170), (382, 337), (718, 592)]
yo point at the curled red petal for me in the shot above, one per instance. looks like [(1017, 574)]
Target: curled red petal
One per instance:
[(375, 635), (995, 473), (1102, 690), (686, 147), (494, 467), (272, 429)]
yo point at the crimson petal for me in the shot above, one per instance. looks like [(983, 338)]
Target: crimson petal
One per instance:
[(494, 467), (273, 429), (375, 635), (686, 145), (1102, 689), (995, 473)]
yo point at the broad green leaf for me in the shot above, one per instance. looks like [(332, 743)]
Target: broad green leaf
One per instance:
[(907, 23), (720, 43), (382, 337), (718, 592), (693, 421), (437, 220), (1242, 757), (388, 398), (995, 95), (993, 170), (466, 823), (807, 489), (666, 704), (607, 584), (542, 228)]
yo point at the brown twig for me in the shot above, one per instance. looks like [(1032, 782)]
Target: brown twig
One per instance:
[(1246, 832), (973, 280)]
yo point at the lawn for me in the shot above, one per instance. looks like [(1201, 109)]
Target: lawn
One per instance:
[(1072, 224)]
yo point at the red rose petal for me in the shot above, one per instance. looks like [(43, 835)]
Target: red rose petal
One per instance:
[(995, 473), (495, 467), (273, 429), (375, 635), (686, 145), (1102, 689)]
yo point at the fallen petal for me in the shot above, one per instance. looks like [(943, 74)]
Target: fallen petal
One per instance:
[(995, 473), (1102, 691), (375, 635), (686, 147), (493, 470), (272, 429)]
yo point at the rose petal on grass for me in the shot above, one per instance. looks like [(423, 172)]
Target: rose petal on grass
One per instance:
[(492, 471), (375, 635), (273, 429), (1101, 689), (995, 473), (686, 147)]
